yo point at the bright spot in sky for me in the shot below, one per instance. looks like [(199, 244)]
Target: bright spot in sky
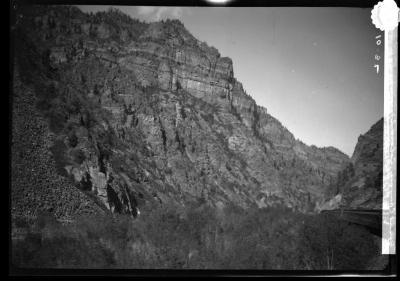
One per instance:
[(218, 1)]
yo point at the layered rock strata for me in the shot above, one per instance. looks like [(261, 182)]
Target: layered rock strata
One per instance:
[(146, 113)]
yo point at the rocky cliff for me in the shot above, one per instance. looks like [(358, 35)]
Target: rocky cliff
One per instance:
[(359, 184), (364, 189), (144, 113)]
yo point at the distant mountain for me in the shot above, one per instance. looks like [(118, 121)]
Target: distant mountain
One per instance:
[(134, 114)]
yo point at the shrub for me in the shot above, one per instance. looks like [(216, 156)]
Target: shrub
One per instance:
[(45, 219), (20, 222), (78, 156), (72, 140), (196, 236), (328, 243)]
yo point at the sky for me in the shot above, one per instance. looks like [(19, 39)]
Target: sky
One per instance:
[(312, 68)]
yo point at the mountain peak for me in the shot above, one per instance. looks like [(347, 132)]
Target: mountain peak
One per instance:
[(143, 111)]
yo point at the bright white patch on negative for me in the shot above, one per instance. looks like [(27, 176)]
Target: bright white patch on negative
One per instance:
[(385, 15), (389, 144), (218, 1)]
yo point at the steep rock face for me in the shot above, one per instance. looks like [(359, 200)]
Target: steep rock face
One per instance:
[(148, 114), (359, 184), (368, 153), (364, 190)]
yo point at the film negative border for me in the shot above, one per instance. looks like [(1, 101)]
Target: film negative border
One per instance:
[(385, 16)]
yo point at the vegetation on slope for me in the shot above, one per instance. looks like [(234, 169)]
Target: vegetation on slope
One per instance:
[(198, 237)]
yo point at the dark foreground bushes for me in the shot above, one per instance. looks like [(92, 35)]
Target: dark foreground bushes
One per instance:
[(198, 237)]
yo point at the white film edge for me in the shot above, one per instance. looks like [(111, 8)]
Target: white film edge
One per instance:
[(385, 16)]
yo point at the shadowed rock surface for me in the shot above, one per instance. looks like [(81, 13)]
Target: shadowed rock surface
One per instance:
[(144, 113), (36, 184), (364, 189), (359, 184)]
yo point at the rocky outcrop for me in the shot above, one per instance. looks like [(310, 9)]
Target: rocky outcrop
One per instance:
[(36, 185), (359, 184), (364, 189), (368, 153), (146, 113)]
